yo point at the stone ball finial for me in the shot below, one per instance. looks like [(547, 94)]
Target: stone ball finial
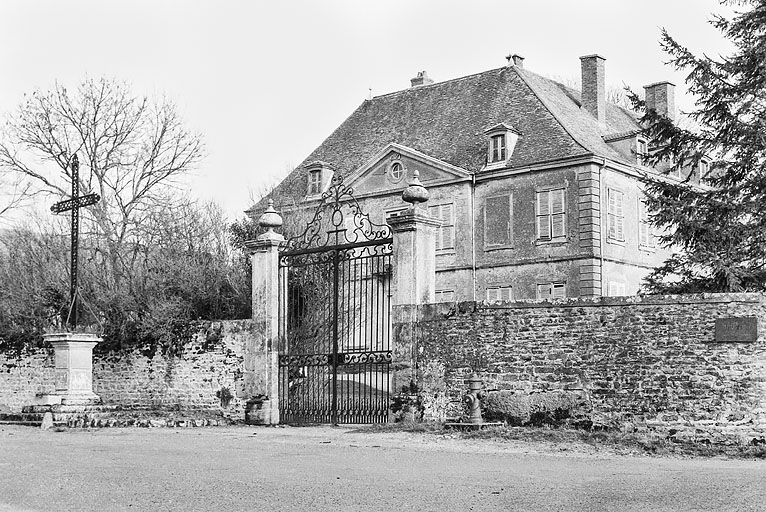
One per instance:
[(270, 219), (415, 193)]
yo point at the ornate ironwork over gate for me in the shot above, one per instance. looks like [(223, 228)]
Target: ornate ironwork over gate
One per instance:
[(335, 306)]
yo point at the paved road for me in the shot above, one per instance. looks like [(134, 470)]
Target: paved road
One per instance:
[(323, 468)]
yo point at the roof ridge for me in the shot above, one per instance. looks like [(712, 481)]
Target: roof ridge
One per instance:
[(429, 86), (548, 107)]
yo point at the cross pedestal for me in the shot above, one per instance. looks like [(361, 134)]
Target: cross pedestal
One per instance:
[(73, 354)]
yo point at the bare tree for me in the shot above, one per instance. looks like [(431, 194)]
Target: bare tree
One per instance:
[(131, 151)]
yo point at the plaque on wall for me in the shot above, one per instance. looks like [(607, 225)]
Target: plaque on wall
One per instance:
[(742, 329)]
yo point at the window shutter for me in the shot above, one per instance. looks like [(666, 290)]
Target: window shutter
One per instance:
[(505, 294), (492, 294), (558, 218), (544, 291), (447, 227), (497, 221), (435, 211), (558, 291), (543, 215)]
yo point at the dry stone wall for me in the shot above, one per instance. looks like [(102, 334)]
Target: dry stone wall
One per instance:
[(206, 376), (639, 360)]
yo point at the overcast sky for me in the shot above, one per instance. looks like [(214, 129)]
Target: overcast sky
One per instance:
[(265, 82)]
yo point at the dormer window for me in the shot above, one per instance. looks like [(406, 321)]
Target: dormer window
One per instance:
[(642, 150), (315, 181), (317, 176), (502, 141), (498, 148)]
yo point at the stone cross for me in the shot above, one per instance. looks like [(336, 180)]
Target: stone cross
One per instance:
[(74, 204)]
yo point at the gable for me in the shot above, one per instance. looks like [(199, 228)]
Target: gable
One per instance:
[(393, 167)]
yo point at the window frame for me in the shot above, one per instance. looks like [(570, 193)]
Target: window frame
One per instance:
[(500, 289), (314, 184), (509, 244), (643, 220), (642, 150), (613, 218), (439, 238), (498, 152), (392, 167), (441, 292), (554, 285), (550, 215)]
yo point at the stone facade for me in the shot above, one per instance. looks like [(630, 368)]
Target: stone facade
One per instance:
[(210, 368), (649, 361)]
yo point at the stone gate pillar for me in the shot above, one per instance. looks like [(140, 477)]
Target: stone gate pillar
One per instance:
[(262, 350), (413, 279)]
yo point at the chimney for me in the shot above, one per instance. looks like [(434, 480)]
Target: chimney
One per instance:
[(421, 79), (593, 86), (515, 60), (660, 96)]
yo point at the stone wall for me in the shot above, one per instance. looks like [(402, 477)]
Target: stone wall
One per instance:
[(640, 361), (195, 380)]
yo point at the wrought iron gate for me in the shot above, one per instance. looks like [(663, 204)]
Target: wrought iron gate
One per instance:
[(335, 308)]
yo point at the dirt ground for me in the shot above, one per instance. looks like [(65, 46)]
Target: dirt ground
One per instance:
[(326, 468)]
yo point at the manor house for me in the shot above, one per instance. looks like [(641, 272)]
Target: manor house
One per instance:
[(536, 184)]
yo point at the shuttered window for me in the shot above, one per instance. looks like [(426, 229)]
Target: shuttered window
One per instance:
[(497, 221), (616, 289), (444, 296), (616, 215), (551, 291), (495, 293), (551, 214), (645, 236), (445, 235)]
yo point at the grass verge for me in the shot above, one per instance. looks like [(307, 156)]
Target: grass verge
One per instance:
[(564, 439)]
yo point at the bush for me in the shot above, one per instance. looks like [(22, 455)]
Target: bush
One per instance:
[(553, 408)]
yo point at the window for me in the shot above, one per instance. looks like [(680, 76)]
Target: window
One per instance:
[(445, 235), (642, 150), (315, 181), (616, 289), (551, 216), (615, 215), (551, 291), (704, 169), (498, 148), (497, 221), (495, 293), (397, 171), (444, 296), (645, 236)]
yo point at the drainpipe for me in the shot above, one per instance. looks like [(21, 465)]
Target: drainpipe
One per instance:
[(601, 227), (473, 234)]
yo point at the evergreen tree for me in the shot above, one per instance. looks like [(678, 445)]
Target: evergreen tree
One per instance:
[(718, 227)]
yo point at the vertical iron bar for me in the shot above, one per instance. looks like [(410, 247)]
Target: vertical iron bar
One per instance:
[(335, 260)]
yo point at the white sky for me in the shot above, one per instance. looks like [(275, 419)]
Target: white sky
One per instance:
[(265, 82)]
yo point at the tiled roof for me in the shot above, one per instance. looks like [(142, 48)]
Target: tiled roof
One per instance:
[(447, 120)]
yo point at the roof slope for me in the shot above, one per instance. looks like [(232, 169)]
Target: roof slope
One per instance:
[(446, 120)]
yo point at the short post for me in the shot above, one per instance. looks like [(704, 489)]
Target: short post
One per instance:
[(73, 354), (413, 277), (262, 350)]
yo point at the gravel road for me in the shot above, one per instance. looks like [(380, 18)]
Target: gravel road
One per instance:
[(325, 468)]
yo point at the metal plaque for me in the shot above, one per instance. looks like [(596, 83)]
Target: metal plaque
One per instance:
[(743, 329)]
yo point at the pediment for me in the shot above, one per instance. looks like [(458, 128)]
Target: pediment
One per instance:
[(393, 166)]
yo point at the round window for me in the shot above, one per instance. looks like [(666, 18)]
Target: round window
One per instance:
[(397, 171)]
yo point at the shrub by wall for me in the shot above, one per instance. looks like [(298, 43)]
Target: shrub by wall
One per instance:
[(639, 360)]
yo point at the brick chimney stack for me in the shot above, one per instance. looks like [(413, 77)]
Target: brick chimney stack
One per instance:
[(661, 97), (594, 86), (421, 79)]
